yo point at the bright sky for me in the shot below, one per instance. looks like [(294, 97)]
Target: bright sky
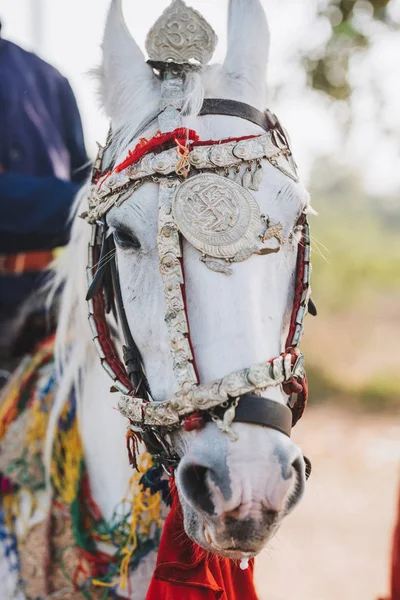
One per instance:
[(70, 32)]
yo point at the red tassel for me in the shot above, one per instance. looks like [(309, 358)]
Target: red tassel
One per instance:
[(194, 422), (80, 569), (87, 498), (292, 386), (145, 146), (182, 135), (132, 445)]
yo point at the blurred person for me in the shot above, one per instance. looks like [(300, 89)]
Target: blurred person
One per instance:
[(395, 578), (43, 162), (395, 567)]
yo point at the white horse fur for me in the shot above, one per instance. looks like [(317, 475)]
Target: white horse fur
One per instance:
[(235, 321)]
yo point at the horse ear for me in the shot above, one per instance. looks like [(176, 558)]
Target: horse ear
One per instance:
[(245, 66), (127, 81)]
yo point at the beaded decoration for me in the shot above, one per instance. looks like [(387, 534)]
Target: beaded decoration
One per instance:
[(132, 533)]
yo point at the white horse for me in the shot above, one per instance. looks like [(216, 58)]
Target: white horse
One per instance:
[(235, 321)]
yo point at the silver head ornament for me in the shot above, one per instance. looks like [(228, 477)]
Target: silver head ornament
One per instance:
[(182, 36)]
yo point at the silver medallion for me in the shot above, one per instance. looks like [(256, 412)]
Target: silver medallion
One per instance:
[(218, 217), (180, 35)]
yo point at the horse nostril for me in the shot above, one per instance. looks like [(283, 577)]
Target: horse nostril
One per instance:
[(299, 467), (308, 464), (234, 513), (194, 485)]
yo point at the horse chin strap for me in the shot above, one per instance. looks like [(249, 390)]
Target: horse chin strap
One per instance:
[(186, 168)]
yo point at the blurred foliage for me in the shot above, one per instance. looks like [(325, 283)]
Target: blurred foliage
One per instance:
[(350, 26), (355, 270), (362, 256), (381, 393), (356, 239)]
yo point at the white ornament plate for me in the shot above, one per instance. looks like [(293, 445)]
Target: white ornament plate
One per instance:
[(217, 216), (180, 35)]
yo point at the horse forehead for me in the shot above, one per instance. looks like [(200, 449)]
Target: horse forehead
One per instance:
[(139, 209), (277, 195)]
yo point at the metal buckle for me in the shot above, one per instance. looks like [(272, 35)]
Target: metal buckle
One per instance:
[(225, 423)]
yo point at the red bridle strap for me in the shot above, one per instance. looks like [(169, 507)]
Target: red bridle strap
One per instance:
[(104, 344), (295, 386), (181, 137)]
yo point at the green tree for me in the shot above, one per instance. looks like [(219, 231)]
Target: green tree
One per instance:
[(352, 24)]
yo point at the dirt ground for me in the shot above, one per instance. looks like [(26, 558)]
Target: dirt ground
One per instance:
[(336, 544)]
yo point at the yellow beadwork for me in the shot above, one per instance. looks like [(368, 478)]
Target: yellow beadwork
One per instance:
[(146, 512), (142, 519), (10, 509), (11, 393), (38, 421), (66, 463)]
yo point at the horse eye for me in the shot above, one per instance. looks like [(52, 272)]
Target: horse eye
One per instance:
[(124, 239)]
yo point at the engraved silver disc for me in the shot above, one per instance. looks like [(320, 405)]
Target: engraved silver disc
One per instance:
[(217, 216)]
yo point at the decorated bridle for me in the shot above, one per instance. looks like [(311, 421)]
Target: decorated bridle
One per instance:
[(204, 196)]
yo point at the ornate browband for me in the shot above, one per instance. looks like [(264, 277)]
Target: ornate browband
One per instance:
[(240, 161)]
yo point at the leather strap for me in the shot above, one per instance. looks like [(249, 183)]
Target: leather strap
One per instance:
[(268, 413), (232, 108), (222, 107), (106, 280), (98, 279), (225, 108), (132, 358), (218, 106), (265, 412)]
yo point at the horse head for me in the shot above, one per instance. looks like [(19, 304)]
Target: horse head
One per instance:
[(207, 241)]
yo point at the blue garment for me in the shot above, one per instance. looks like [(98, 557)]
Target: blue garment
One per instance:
[(42, 161), (14, 289), (40, 127), (34, 212), (34, 215)]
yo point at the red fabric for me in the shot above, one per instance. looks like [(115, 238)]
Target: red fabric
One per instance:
[(396, 561), (26, 262), (395, 575), (185, 137), (184, 570), (181, 134)]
